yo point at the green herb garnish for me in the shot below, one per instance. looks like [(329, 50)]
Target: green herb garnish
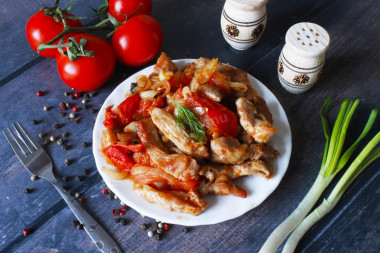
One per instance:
[(186, 119)]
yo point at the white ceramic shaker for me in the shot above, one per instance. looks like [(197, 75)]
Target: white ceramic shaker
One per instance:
[(243, 22), (303, 57)]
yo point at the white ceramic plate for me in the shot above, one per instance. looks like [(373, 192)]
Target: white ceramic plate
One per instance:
[(220, 208)]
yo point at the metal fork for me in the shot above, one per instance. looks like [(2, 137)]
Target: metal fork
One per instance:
[(38, 162)]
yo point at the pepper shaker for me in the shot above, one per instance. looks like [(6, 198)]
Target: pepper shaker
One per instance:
[(303, 56), (243, 22)]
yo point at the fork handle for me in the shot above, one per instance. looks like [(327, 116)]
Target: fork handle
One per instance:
[(101, 238)]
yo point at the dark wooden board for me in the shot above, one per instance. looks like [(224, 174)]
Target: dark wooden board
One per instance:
[(191, 29)]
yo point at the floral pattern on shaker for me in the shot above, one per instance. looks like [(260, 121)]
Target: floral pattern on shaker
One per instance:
[(257, 31), (280, 67), (301, 79), (232, 30)]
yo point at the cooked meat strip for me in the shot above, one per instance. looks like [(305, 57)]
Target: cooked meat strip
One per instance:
[(180, 166), (211, 92), (168, 126), (261, 150), (183, 202), (252, 167), (262, 108), (261, 130), (228, 150), (164, 63)]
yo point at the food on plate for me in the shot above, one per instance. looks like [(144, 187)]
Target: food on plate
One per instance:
[(183, 133)]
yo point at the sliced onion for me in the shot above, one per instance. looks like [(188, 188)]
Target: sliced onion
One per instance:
[(117, 175), (131, 128), (238, 86), (149, 94), (199, 110)]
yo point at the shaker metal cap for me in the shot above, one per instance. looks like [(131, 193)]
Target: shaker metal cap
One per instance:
[(248, 5), (308, 38)]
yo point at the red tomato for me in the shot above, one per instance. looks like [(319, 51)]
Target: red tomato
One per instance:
[(120, 156), (119, 7), (135, 148), (145, 105), (224, 119), (128, 107), (87, 73), (40, 29), (137, 41), (112, 119)]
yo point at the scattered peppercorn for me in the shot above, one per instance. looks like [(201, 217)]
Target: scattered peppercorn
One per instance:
[(63, 107), (92, 94), (74, 223), (84, 101), (124, 208), (121, 213), (66, 187), (115, 212), (117, 220), (57, 125), (34, 178), (160, 225), (52, 138), (39, 93), (185, 230), (160, 231), (123, 222), (166, 227), (72, 115), (157, 237), (143, 226), (28, 190), (86, 172), (85, 106), (46, 108), (81, 200), (77, 94), (122, 203), (64, 134), (75, 109), (77, 120), (71, 96), (110, 195), (67, 162), (41, 135), (93, 111), (26, 231), (115, 196), (79, 226), (84, 144), (79, 178), (86, 95), (65, 147), (105, 191), (66, 94), (150, 233), (34, 122), (45, 142), (60, 142), (62, 114), (77, 194), (155, 228)]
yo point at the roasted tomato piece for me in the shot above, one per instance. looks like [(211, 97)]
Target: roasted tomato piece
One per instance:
[(224, 119), (112, 119), (220, 81), (120, 156), (135, 147), (146, 105), (128, 108)]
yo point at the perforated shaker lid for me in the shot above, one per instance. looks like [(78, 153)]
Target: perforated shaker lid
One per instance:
[(248, 5), (308, 38)]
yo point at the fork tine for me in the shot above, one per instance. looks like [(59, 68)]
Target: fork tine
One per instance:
[(35, 143), (12, 142), (24, 137), (18, 142)]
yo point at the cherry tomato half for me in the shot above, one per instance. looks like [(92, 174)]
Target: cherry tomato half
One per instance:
[(41, 28), (122, 8), (137, 41), (88, 73)]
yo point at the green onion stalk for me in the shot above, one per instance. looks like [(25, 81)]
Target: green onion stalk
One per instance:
[(365, 158), (332, 163)]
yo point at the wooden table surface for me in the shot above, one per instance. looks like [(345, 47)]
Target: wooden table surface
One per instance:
[(351, 71)]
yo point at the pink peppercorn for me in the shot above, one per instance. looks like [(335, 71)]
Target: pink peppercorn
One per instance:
[(105, 191), (77, 94), (39, 93), (26, 231), (166, 227), (75, 109), (63, 107)]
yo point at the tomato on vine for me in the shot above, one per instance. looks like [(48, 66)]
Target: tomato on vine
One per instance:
[(41, 28), (137, 41), (92, 62), (120, 9)]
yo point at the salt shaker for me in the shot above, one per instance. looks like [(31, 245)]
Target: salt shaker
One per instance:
[(243, 22), (302, 59)]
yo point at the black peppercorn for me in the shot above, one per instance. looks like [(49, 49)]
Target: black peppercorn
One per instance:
[(185, 229), (34, 122), (157, 237), (66, 94), (65, 147), (86, 171), (93, 111), (62, 114), (117, 220), (57, 125), (27, 190), (143, 226), (66, 178), (79, 178), (84, 144), (67, 162), (79, 226), (71, 96), (123, 222), (74, 223)]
